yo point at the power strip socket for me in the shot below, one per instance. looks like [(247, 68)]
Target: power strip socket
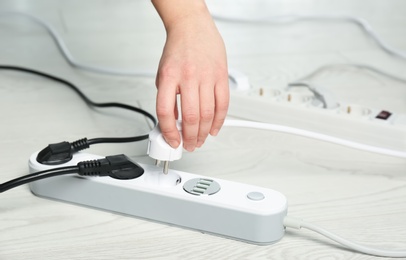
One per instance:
[(298, 109), (234, 210)]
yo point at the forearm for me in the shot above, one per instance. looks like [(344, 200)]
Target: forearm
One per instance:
[(173, 12)]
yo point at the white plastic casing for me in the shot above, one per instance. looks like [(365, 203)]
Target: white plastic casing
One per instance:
[(239, 211), (159, 149), (238, 80), (352, 122)]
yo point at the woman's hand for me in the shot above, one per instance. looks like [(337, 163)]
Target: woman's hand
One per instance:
[(194, 66)]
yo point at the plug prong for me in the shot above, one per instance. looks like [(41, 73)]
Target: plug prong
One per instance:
[(157, 162), (166, 167)]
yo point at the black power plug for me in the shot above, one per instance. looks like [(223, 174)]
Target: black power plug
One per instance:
[(59, 153)]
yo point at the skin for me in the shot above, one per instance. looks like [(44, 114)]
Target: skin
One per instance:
[(193, 65)]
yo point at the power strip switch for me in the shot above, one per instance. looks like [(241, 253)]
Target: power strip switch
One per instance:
[(234, 210)]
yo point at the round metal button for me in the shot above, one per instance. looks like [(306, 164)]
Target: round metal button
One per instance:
[(201, 186), (255, 196)]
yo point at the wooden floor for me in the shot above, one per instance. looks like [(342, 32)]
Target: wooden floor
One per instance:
[(359, 195)]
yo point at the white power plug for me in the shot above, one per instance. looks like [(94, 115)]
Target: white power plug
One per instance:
[(160, 150)]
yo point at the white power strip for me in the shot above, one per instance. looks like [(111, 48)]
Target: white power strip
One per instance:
[(301, 109), (234, 210)]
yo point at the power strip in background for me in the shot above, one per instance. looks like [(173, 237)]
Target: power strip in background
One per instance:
[(239, 211), (300, 108)]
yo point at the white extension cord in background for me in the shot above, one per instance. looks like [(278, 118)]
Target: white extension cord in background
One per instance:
[(318, 115)]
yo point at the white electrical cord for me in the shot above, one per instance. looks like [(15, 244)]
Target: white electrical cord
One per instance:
[(355, 65), (290, 18), (323, 94), (68, 56), (290, 222), (275, 19), (314, 135)]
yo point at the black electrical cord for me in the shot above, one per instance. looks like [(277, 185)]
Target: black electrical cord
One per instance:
[(37, 176), (116, 166), (59, 153), (93, 104)]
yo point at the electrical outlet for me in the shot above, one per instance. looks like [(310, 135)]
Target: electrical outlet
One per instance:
[(303, 110), (234, 210)]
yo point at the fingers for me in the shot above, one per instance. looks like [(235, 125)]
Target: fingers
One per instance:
[(203, 111), (206, 105), (222, 94), (190, 114), (204, 108), (166, 110)]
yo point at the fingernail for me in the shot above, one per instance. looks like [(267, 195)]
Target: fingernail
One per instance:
[(214, 132), (189, 148), (173, 143), (199, 144)]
